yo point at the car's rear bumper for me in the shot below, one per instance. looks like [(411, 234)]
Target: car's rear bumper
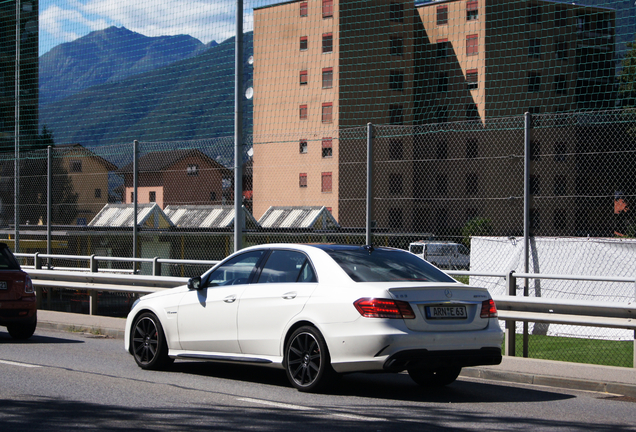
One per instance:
[(425, 359), (21, 311)]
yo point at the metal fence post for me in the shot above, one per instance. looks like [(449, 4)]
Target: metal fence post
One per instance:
[(135, 200), (238, 128), (16, 162), (156, 267), (511, 326), (37, 261), (369, 212), (93, 264), (49, 198), (527, 155)]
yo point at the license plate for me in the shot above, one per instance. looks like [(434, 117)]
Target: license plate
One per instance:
[(3, 285), (446, 312)]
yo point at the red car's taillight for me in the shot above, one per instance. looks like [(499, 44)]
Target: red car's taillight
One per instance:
[(489, 309), (28, 285), (384, 308)]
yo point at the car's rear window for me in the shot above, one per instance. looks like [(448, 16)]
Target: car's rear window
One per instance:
[(7, 260), (386, 265)]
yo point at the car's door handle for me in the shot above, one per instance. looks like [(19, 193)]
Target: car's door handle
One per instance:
[(230, 299), (290, 295)]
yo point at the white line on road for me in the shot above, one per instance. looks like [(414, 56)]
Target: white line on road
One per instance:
[(26, 365), (303, 408)]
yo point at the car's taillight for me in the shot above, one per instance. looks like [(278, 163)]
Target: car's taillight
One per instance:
[(489, 309), (28, 285), (384, 308)]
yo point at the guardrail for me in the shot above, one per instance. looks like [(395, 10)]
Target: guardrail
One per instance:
[(511, 307)]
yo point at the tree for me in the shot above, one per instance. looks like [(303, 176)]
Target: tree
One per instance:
[(478, 226)]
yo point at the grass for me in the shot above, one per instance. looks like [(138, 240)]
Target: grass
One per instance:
[(578, 350), (461, 278)]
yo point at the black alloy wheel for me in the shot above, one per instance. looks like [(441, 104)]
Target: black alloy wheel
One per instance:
[(149, 345), (307, 361)]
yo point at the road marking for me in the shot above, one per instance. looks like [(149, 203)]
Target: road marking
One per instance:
[(277, 404), (303, 408), (26, 365)]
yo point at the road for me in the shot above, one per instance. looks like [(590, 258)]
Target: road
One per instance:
[(71, 381)]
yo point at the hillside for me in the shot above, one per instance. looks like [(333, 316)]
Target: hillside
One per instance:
[(188, 99), (106, 56)]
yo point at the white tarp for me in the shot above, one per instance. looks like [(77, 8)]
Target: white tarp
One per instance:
[(561, 255)]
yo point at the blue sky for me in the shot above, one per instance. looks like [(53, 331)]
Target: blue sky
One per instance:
[(66, 20)]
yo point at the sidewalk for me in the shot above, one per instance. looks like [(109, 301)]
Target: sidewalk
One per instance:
[(575, 376)]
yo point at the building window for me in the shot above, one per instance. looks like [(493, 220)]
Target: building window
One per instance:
[(442, 48), (327, 8), (98, 193), (396, 115), (442, 82), (560, 185), (192, 170), (560, 17), (560, 220), (327, 112), (472, 45), (303, 77), (397, 45), (152, 196), (396, 80), (76, 166), (132, 197), (534, 13), (561, 50), (442, 15), (303, 9), (534, 48), (327, 147), (472, 148), (326, 182), (303, 146), (396, 220), (561, 84), (327, 42), (327, 77), (441, 185), (472, 7), (395, 184), (472, 184), (472, 79), (441, 150), (441, 115), (534, 82), (302, 180), (535, 150), (212, 196), (396, 12), (441, 219), (560, 150), (535, 220), (303, 43), (535, 185), (303, 112), (396, 149)]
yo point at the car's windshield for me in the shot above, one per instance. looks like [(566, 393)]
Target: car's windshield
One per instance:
[(386, 265)]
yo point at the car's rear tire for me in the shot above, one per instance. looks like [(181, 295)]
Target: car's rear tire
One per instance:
[(307, 360), (148, 342), (22, 331), (434, 378)]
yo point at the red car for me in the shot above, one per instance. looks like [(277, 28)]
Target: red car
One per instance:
[(18, 307)]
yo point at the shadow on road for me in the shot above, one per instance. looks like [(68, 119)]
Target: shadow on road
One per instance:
[(5, 338)]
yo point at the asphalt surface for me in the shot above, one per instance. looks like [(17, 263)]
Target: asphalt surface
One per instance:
[(575, 376)]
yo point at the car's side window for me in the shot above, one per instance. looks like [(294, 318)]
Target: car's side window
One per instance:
[(286, 267), (235, 271)]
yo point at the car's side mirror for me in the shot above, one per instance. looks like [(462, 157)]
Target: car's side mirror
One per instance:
[(194, 283)]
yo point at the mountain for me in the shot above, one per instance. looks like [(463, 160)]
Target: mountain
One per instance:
[(108, 55), (188, 99)]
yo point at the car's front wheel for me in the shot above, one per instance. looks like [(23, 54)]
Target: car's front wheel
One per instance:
[(434, 378), (149, 345), (307, 360)]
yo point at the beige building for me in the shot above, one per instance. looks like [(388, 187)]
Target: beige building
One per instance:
[(324, 67)]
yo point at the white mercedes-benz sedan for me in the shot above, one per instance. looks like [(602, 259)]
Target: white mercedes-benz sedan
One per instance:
[(318, 311)]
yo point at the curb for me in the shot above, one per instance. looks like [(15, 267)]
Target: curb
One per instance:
[(87, 329), (551, 381)]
